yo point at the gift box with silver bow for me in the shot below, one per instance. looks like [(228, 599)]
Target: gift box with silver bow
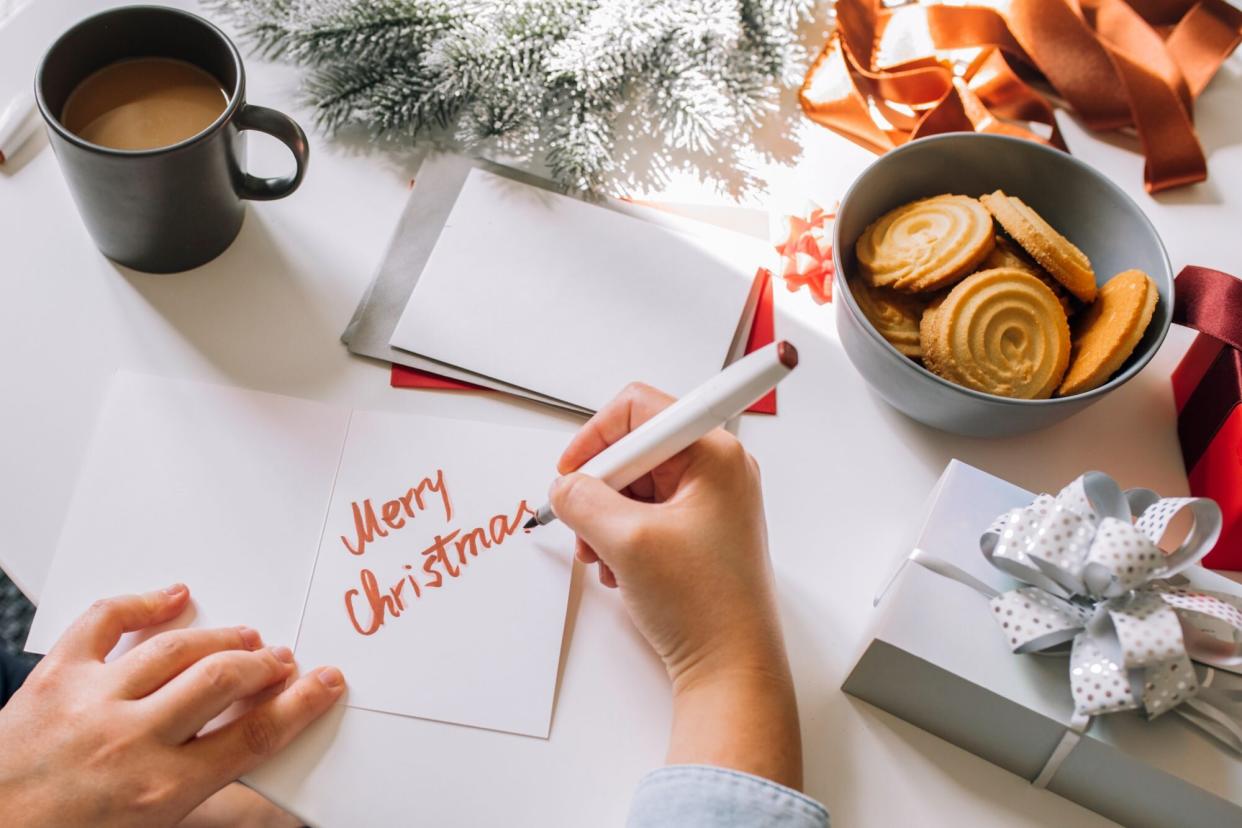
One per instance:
[(1055, 637)]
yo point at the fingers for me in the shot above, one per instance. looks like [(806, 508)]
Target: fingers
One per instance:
[(97, 631), (635, 405), (587, 555), (584, 552), (718, 453), (155, 662), (242, 745), (207, 688), (602, 519), (641, 489)]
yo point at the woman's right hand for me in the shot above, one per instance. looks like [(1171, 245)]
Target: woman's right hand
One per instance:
[(687, 548)]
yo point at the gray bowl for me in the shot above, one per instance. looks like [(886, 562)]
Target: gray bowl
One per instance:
[(1078, 201)]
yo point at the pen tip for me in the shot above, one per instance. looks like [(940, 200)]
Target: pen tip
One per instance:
[(531, 524)]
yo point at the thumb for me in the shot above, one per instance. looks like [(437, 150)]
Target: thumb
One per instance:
[(599, 515)]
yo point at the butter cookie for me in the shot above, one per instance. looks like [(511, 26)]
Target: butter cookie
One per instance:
[(895, 316), (1008, 254), (925, 245), (999, 331), (1055, 253), (1110, 330)]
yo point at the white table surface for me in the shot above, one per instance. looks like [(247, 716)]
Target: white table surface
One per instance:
[(844, 474)]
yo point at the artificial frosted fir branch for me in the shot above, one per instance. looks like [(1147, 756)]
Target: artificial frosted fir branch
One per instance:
[(573, 82)]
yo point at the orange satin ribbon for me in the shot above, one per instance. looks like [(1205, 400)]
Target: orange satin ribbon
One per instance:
[(1116, 63)]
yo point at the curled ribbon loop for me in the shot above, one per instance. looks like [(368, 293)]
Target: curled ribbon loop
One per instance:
[(894, 71), (1097, 582)]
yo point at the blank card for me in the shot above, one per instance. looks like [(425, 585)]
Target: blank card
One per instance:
[(572, 300), (221, 488)]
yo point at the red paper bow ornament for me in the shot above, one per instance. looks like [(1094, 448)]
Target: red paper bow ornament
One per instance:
[(805, 246)]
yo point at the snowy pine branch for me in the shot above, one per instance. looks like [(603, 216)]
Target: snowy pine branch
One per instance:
[(561, 79)]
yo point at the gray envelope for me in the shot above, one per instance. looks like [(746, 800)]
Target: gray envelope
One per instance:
[(437, 183)]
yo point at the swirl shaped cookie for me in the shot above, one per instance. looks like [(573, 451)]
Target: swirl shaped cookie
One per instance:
[(895, 316), (925, 245), (1055, 253), (999, 331)]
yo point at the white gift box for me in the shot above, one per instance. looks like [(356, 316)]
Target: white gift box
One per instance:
[(937, 659)]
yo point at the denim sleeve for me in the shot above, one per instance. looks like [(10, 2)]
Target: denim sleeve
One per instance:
[(701, 796), (13, 671)]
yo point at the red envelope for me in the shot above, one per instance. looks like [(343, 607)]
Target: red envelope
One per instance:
[(762, 332)]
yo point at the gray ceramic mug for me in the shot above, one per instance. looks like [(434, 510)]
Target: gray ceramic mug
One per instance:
[(170, 208)]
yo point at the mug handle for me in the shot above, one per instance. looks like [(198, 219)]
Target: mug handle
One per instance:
[(284, 129)]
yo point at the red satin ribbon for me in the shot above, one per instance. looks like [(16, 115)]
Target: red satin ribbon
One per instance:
[(1210, 302), (1116, 63)]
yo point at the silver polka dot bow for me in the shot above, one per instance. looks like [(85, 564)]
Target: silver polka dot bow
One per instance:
[(1098, 584)]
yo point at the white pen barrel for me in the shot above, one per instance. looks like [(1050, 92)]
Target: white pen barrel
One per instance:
[(644, 450), (686, 420), (18, 122)]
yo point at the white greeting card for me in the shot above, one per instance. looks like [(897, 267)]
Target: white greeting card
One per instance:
[(389, 545), (519, 272), (428, 593)]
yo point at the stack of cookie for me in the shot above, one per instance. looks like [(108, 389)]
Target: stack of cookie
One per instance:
[(992, 309)]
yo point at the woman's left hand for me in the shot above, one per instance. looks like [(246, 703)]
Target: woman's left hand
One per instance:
[(90, 742)]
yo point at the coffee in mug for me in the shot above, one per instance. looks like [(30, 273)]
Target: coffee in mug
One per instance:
[(144, 103)]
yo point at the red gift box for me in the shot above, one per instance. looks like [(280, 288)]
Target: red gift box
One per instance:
[(1207, 386)]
